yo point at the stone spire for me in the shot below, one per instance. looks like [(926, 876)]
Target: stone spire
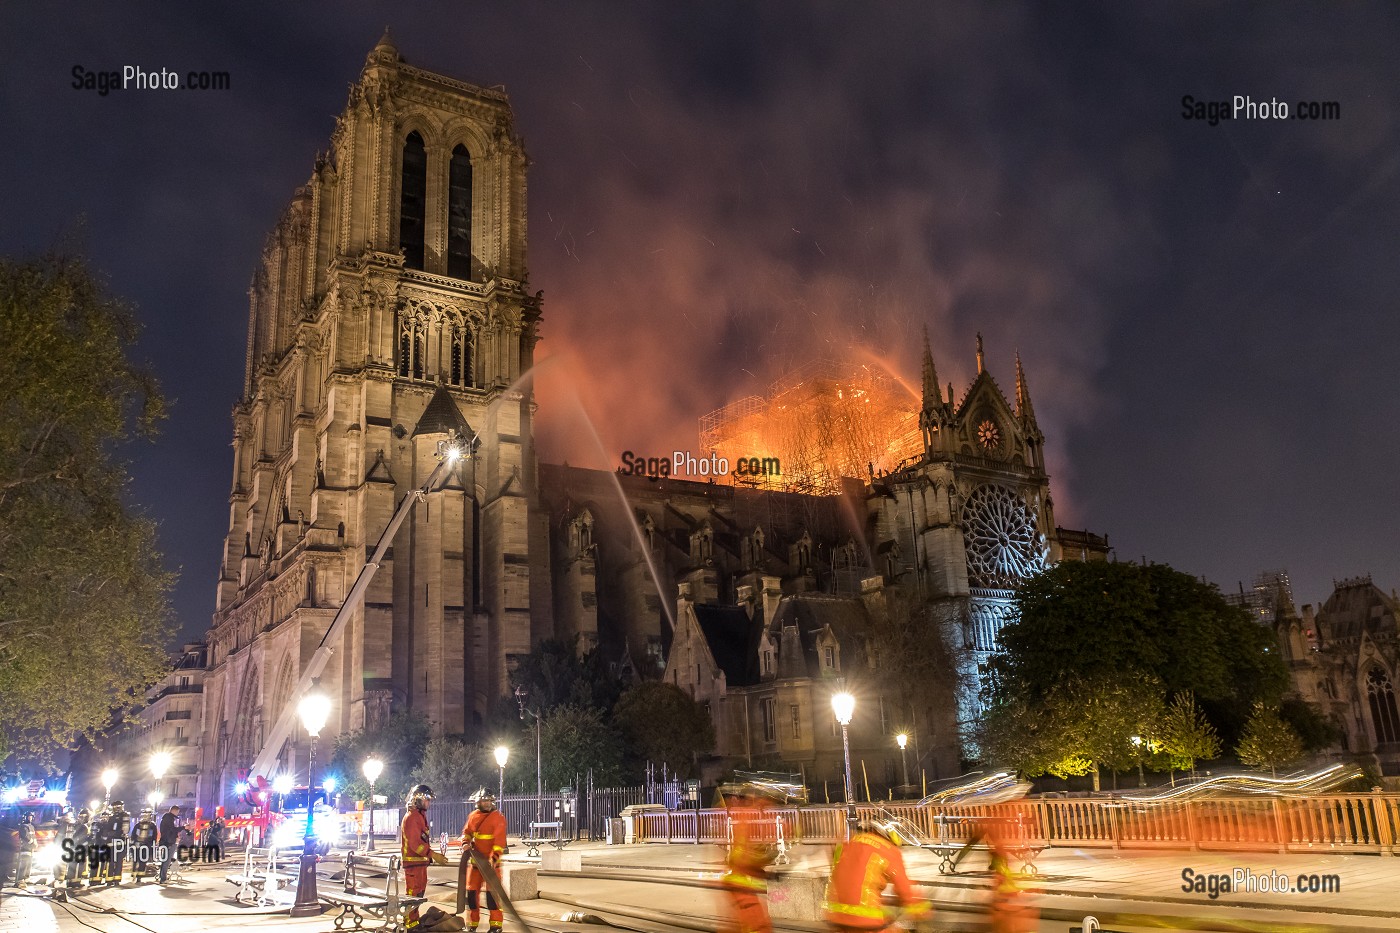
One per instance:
[(1023, 393), (979, 353), (384, 50), (932, 396)]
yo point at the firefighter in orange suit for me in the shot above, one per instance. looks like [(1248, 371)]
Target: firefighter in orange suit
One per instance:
[(416, 847), (865, 866), (750, 854), (485, 832)]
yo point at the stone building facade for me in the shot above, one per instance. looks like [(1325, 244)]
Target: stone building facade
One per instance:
[(390, 307), (172, 721), (1344, 657)]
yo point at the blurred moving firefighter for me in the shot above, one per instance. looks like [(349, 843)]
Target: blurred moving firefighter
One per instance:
[(865, 865), (752, 850), (1008, 910)]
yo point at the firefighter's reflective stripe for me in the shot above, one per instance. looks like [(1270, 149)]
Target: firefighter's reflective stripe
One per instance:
[(854, 910), (741, 880), (483, 835)]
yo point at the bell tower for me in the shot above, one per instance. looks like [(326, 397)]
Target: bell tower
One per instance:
[(390, 305)]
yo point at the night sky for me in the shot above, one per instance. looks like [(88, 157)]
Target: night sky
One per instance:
[(722, 191)]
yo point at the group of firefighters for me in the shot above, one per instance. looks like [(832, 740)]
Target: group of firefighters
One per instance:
[(863, 868), (94, 846)]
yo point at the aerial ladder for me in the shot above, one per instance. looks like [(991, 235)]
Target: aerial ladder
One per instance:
[(449, 452)]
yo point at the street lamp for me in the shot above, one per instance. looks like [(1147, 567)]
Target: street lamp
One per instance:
[(501, 754), (372, 768), (520, 694), (844, 706), (903, 740), (282, 786), (160, 763), (1137, 744), (314, 709), (154, 798), (109, 778)]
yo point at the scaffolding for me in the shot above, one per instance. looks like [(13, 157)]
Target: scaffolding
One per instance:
[(822, 421)]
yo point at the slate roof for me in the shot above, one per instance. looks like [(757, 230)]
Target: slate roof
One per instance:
[(733, 639), (1357, 607), (812, 612), (442, 415)]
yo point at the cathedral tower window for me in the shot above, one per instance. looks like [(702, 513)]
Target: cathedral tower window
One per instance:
[(413, 197), (459, 215), (461, 364), (1383, 713)]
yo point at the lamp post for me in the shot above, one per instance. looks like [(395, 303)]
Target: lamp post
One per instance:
[(1137, 744), (109, 778), (903, 740), (520, 694), (844, 706), (372, 768), (314, 709), (501, 754), (154, 798)]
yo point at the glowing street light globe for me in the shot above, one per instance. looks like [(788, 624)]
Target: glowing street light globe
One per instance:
[(501, 754), (160, 763), (314, 709), (328, 785), (282, 784), (373, 767), (844, 706), (109, 778), (903, 740), (154, 798)]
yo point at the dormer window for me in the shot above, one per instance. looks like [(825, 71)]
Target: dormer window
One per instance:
[(829, 657), (768, 663)]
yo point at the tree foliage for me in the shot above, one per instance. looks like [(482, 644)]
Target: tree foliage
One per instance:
[(662, 724), (454, 769), (1095, 621), (83, 595), (1314, 728), (399, 742), (556, 674), (1268, 741), (1186, 735), (922, 666), (574, 739)]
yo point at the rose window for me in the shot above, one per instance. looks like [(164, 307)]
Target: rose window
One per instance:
[(1003, 545)]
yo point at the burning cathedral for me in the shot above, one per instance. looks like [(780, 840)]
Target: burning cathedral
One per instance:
[(391, 306)]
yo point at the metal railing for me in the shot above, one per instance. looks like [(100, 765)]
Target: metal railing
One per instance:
[(1357, 823)]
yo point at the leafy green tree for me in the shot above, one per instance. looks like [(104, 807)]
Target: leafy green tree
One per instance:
[(1268, 741), (918, 653), (661, 723), (453, 768), (574, 739), (84, 615), (1187, 736), (1104, 716), (557, 674), (1314, 728), (1083, 621), (399, 742)]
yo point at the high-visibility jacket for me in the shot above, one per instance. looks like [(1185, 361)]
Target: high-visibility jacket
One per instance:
[(749, 856), (865, 866), (415, 838), (485, 832)]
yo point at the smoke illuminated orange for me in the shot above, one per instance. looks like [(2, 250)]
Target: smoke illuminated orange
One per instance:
[(824, 420)]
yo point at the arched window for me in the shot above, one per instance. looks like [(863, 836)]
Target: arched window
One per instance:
[(1383, 714), (459, 215), (413, 197), (461, 374), (405, 352)]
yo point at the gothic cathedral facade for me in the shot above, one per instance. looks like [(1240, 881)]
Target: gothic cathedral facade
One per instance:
[(389, 307)]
